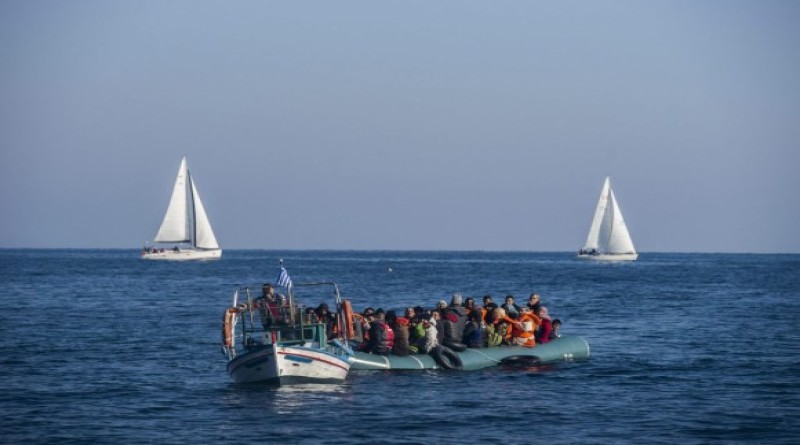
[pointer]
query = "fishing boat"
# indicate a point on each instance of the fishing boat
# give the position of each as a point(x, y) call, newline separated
point(609, 239)
point(185, 226)
point(272, 339)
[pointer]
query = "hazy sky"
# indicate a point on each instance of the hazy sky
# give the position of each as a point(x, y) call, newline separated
point(453, 125)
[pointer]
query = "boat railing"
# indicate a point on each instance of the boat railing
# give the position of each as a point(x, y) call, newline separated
point(259, 321)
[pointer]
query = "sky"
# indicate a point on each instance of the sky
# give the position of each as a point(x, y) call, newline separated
point(413, 125)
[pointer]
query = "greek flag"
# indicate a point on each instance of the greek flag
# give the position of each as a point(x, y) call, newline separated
point(283, 279)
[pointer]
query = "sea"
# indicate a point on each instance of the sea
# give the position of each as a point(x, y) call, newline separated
point(101, 347)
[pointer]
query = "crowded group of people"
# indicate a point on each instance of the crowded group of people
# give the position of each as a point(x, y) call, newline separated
point(458, 325)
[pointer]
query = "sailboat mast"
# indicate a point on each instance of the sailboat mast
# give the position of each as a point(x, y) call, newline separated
point(191, 209)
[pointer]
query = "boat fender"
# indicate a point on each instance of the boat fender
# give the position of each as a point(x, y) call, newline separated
point(446, 357)
point(455, 346)
point(520, 360)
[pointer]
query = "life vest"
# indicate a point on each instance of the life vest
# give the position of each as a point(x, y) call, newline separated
point(381, 338)
point(522, 333)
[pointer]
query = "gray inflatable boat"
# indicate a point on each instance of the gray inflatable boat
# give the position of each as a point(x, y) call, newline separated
point(565, 348)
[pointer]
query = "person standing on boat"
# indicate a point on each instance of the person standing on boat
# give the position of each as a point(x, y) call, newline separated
point(324, 316)
point(270, 310)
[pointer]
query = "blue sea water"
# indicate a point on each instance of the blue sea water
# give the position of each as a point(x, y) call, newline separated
point(98, 346)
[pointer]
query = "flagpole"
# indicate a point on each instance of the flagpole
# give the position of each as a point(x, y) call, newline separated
point(290, 292)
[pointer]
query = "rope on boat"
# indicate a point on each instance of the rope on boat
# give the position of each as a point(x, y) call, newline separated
point(477, 350)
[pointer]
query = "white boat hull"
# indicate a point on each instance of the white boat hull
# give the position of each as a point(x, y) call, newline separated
point(183, 255)
point(609, 256)
point(284, 365)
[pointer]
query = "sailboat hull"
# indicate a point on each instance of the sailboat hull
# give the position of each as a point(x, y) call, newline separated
point(609, 256)
point(183, 255)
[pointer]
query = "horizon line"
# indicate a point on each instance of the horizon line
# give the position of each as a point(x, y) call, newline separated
point(405, 250)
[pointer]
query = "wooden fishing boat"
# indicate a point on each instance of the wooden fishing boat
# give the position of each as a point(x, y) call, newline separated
point(271, 339)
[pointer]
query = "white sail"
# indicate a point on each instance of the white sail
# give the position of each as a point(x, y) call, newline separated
point(204, 237)
point(598, 222)
point(608, 235)
point(619, 240)
point(175, 228)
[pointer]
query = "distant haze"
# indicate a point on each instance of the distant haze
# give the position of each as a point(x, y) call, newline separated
point(452, 125)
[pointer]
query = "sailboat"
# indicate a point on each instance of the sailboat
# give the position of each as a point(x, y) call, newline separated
point(185, 225)
point(609, 239)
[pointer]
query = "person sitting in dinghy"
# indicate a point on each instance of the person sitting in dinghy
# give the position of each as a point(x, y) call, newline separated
point(555, 333)
point(475, 331)
point(534, 301)
point(460, 313)
point(512, 309)
point(430, 341)
point(545, 328)
point(469, 305)
point(416, 333)
point(523, 332)
point(503, 325)
point(399, 325)
point(381, 335)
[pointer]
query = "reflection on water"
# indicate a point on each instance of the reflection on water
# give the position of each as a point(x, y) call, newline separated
point(289, 399)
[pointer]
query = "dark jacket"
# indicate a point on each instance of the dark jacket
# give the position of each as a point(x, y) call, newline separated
point(475, 334)
point(460, 322)
point(381, 338)
point(400, 327)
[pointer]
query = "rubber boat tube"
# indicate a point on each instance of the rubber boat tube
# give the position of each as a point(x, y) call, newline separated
point(566, 348)
point(446, 358)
